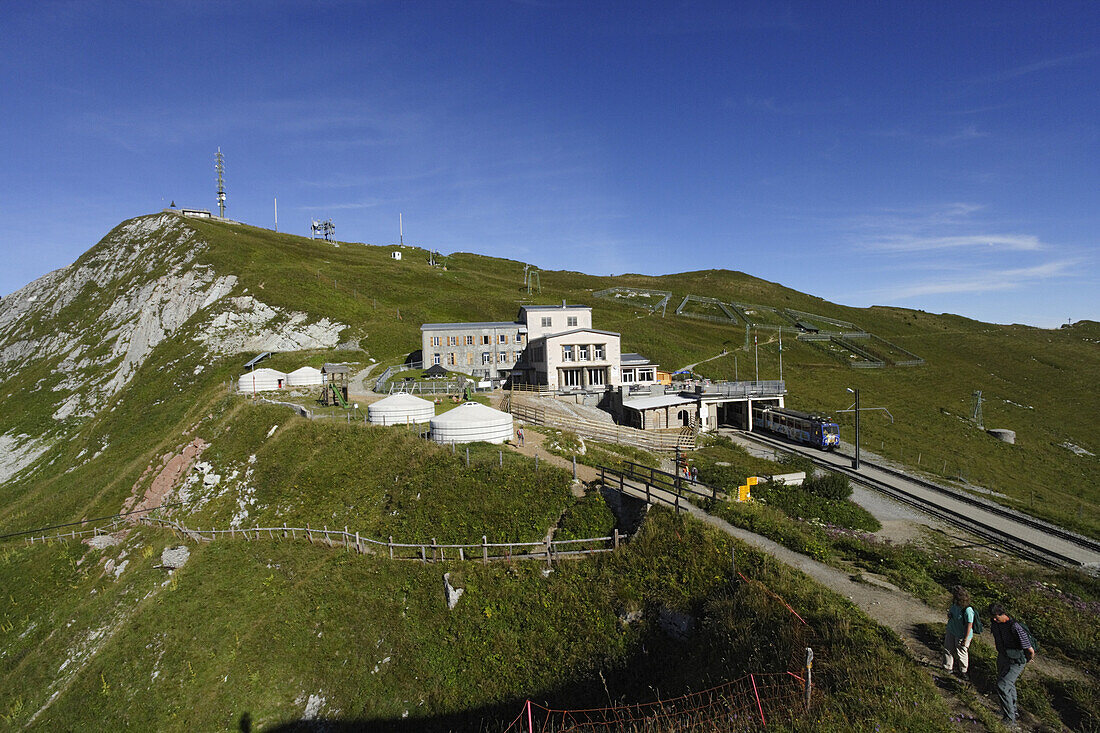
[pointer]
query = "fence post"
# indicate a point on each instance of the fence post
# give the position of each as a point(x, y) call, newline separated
point(433, 550)
point(549, 560)
point(809, 674)
point(327, 540)
point(467, 456)
point(309, 533)
point(461, 554)
point(574, 468)
point(391, 546)
point(615, 538)
point(284, 530)
point(484, 549)
point(423, 554)
point(358, 546)
point(502, 459)
point(345, 536)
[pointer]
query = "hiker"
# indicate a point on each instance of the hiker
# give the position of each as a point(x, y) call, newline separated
point(694, 474)
point(1014, 650)
point(519, 436)
point(960, 631)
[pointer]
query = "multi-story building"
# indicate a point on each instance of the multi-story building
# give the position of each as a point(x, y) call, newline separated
point(548, 345)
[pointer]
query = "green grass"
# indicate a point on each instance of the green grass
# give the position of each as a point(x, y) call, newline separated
point(374, 638)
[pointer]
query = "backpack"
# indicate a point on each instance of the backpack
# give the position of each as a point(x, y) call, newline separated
point(978, 628)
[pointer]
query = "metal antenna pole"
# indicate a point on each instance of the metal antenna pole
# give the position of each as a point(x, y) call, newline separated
point(219, 166)
point(276, 213)
point(401, 228)
point(780, 354)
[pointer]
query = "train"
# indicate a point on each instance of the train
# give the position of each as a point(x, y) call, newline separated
point(801, 427)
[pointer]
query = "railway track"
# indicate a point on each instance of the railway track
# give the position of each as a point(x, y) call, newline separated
point(1013, 531)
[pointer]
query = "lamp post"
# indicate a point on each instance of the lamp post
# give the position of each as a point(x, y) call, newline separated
point(855, 460)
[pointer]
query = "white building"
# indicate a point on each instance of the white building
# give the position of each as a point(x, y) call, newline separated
point(261, 380)
point(551, 345)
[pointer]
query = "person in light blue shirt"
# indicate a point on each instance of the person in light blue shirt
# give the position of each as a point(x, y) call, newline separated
point(960, 632)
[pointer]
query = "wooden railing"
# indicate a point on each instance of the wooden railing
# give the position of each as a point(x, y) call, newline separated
point(663, 440)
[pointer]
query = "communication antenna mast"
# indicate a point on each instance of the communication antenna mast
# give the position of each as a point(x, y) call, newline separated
point(401, 229)
point(976, 411)
point(219, 166)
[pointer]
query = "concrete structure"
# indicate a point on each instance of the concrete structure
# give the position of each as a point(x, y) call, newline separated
point(705, 407)
point(550, 345)
point(395, 254)
point(307, 376)
point(472, 422)
point(400, 409)
point(261, 380)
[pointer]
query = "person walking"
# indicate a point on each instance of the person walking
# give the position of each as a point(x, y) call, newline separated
point(960, 631)
point(519, 436)
point(1014, 650)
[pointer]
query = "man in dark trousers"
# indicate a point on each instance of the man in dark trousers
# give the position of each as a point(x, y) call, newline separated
point(1014, 650)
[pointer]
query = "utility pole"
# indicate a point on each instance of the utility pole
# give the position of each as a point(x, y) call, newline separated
point(276, 213)
point(855, 460)
point(756, 346)
point(219, 166)
point(780, 354)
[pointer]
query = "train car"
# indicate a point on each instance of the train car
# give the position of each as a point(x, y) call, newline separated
point(801, 427)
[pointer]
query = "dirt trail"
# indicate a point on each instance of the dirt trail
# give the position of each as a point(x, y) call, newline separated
point(885, 603)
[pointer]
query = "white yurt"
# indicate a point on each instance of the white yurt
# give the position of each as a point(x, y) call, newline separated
point(400, 409)
point(307, 376)
point(472, 422)
point(262, 380)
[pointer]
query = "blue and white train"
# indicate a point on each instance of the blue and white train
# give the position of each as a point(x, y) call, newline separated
point(801, 427)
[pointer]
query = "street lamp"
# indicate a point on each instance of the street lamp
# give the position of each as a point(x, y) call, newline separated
point(855, 460)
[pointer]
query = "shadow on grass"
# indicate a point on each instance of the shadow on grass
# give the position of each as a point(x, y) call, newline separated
point(658, 660)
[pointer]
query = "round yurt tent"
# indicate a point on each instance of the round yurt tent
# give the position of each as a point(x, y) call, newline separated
point(472, 422)
point(307, 376)
point(262, 380)
point(400, 409)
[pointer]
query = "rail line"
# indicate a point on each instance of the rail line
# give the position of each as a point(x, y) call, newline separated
point(1013, 531)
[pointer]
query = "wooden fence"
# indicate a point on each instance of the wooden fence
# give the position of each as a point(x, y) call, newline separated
point(663, 440)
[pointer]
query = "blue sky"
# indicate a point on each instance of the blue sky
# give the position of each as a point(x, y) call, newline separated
point(942, 156)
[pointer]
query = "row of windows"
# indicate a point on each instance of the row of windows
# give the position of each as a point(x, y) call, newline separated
point(583, 377)
point(570, 322)
point(583, 352)
point(640, 375)
point(453, 359)
point(468, 340)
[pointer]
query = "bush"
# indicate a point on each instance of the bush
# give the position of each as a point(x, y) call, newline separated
point(831, 485)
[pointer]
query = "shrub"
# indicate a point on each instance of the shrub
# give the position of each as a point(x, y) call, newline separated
point(831, 485)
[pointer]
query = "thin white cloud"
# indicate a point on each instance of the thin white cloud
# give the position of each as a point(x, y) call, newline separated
point(1041, 65)
point(903, 243)
point(983, 282)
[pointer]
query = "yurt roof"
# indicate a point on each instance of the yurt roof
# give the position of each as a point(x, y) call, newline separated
point(400, 400)
point(264, 372)
point(306, 370)
point(470, 413)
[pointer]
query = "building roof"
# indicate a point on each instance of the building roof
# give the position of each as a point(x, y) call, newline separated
point(649, 403)
point(435, 370)
point(633, 359)
point(477, 324)
point(563, 306)
point(256, 360)
point(578, 330)
point(334, 369)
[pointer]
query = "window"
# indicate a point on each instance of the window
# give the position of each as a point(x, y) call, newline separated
point(486, 357)
point(567, 353)
point(519, 338)
point(503, 338)
point(502, 357)
point(451, 340)
point(435, 358)
point(600, 351)
point(486, 340)
point(515, 356)
point(571, 377)
point(628, 375)
point(435, 341)
point(469, 340)
point(571, 321)
point(596, 377)
point(451, 358)
point(583, 352)
point(645, 375)
point(469, 358)
point(546, 322)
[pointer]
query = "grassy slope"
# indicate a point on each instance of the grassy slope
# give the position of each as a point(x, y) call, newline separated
point(167, 404)
point(255, 628)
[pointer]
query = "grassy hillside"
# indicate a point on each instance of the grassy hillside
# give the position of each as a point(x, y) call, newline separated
point(1040, 383)
point(250, 631)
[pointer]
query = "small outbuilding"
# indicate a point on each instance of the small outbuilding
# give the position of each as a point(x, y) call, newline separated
point(396, 254)
point(307, 376)
point(400, 409)
point(334, 380)
point(472, 422)
point(435, 371)
point(261, 380)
